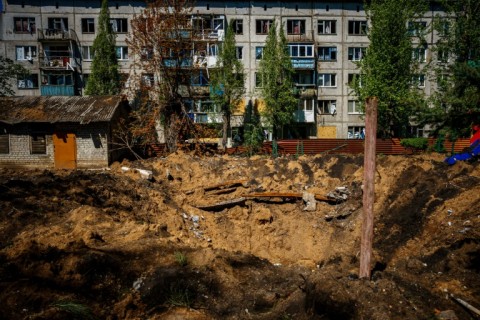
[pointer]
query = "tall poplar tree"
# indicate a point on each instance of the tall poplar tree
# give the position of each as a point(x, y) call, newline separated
point(456, 104)
point(387, 68)
point(228, 81)
point(276, 72)
point(105, 77)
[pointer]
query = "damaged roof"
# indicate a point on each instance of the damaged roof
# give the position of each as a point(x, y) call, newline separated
point(54, 109)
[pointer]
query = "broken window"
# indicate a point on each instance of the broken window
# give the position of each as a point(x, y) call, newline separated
point(263, 26)
point(295, 26)
point(38, 143)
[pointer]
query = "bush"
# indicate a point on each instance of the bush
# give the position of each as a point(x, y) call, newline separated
point(415, 143)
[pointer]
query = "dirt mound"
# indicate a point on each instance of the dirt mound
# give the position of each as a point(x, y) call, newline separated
point(110, 244)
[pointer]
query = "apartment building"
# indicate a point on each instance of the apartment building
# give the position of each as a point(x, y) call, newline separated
point(54, 39)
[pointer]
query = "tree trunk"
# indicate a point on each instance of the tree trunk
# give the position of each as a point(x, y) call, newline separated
point(226, 127)
point(368, 186)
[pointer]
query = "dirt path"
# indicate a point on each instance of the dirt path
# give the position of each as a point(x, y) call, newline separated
point(111, 245)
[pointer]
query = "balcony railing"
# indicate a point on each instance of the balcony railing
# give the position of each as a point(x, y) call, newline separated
point(58, 62)
point(57, 90)
point(56, 34)
point(301, 37)
point(304, 116)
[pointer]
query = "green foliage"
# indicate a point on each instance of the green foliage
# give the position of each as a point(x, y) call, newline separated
point(179, 295)
point(415, 143)
point(105, 77)
point(387, 68)
point(253, 132)
point(276, 72)
point(456, 104)
point(181, 258)
point(439, 144)
point(76, 310)
point(9, 72)
point(228, 81)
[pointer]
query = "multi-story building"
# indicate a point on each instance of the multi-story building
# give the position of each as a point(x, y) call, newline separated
point(54, 39)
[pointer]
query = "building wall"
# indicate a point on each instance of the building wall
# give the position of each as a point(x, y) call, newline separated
point(249, 11)
point(92, 146)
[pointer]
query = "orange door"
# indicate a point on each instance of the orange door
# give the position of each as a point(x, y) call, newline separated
point(65, 150)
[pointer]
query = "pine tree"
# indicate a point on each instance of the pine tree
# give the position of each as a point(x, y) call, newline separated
point(276, 72)
point(228, 81)
point(105, 77)
point(387, 68)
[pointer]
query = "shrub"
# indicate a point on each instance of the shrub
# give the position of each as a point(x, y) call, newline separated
point(181, 258)
point(415, 143)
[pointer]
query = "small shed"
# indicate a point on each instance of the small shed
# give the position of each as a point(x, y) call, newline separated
point(59, 131)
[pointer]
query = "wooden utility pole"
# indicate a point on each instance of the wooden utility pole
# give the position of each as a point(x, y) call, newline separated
point(368, 186)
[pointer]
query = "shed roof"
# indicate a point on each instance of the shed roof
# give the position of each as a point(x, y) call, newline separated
point(54, 109)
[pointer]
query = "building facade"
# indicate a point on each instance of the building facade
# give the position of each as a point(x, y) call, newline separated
point(54, 39)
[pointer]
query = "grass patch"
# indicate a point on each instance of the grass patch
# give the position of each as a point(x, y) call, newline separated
point(76, 310)
point(181, 258)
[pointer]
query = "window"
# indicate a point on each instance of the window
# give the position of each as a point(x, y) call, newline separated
point(419, 54)
point(258, 53)
point(301, 50)
point(304, 78)
point(418, 80)
point(199, 79)
point(354, 77)
point(327, 53)
point(356, 53)
point(356, 132)
point(305, 104)
point(24, 25)
point(327, 80)
point(57, 79)
point(258, 80)
point(443, 56)
point(4, 141)
point(122, 53)
point(238, 26)
point(327, 26)
point(416, 28)
point(239, 53)
point(357, 28)
point(87, 52)
point(38, 143)
point(148, 79)
point(354, 107)
point(262, 26)
point(327, 106)
point(146, 53)
point(443, 28)
point(119, 25)
point(25, 52)
point(29, 81)
point(88, 25)
point(295, 26)
point(60, 24)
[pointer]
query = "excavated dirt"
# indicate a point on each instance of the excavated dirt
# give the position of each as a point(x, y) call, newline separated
point(109, 244)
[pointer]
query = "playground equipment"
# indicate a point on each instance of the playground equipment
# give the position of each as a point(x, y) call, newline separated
point(472, 152)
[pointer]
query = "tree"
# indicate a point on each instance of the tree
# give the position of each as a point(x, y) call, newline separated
point(161, 43)
point(456, 103)
point(387, 68)
point(105, 77)
point(253, 132)
point(228, 81)
point(276, 73)
point(9, 72)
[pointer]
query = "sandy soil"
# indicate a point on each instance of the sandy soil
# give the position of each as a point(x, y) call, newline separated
point(111, 245)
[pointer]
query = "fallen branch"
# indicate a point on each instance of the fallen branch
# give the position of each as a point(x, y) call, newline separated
point(318, 197)
point(466, 305)
point(222, 205)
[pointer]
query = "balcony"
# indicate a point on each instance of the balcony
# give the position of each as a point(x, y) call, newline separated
point(300, 37)
point(56, 35)
point(58, 62)
point(304, 116)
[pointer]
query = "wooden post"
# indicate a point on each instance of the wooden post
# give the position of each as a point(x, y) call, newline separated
point(368, 186)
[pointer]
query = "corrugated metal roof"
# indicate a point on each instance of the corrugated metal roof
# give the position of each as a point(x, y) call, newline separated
point(54, 109)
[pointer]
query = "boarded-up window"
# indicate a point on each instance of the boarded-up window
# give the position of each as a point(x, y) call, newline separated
point(38, 143)
point(4, 142)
